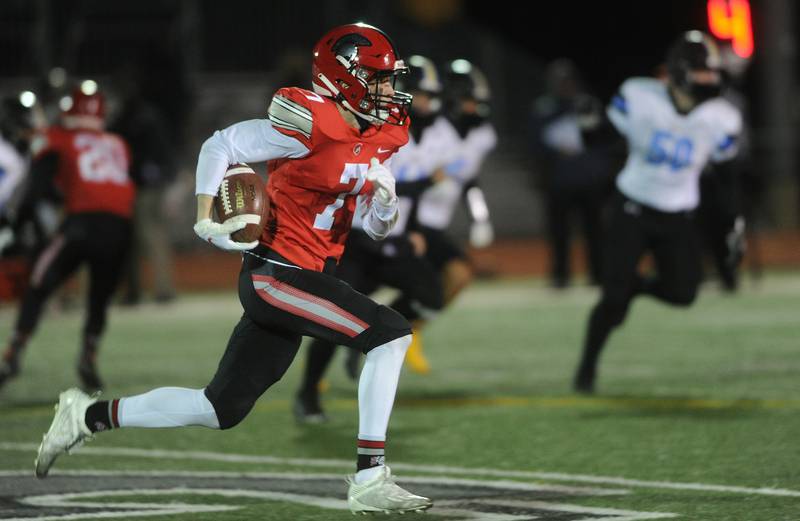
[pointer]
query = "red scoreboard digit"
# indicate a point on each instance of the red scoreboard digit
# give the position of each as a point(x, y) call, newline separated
point(730, 20)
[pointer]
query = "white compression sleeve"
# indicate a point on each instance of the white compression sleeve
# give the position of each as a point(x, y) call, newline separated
point(167, 407)
point(377, 387)
point(379, 220)
point(248, 141)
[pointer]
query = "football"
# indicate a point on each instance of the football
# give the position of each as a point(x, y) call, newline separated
point(242, 193)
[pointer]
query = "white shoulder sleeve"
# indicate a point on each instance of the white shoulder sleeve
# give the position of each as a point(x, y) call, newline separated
point(634, 92)
point(619, 107)
point(249, 141)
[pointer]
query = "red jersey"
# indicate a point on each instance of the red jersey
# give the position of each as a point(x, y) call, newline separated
point(313, 199)
point(92, 170)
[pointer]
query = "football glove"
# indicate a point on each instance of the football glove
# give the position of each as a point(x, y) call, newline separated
point(6, 238)
point(481, 234)
point(219, 234)
point(384, 183)
point(735, 241)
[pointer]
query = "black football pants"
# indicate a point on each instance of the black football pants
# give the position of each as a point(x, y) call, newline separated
point(366, 269)
point(281, 305)
point(635, 229)
point(100, 240)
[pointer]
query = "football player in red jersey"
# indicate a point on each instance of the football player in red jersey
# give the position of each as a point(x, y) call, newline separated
point(325, 150)
point(88, 168)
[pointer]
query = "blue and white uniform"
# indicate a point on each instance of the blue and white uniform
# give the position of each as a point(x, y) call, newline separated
point(668, 150)
point(464, 158)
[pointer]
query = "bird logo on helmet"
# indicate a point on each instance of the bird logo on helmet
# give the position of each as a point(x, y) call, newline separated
point(349, 64)
point(695, 51)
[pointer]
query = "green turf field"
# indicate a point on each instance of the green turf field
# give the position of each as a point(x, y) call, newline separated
point(697, 417)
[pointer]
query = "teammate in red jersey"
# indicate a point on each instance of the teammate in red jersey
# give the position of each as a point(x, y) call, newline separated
point(88, 169)
point(325, 150)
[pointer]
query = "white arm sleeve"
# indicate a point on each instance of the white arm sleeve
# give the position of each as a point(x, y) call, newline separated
point(249, 141)
point(379, 220)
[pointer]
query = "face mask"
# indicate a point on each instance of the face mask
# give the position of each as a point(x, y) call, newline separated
point(702, 92)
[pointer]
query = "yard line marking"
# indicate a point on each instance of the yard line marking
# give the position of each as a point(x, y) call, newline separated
point(464, 508)
point(304, 476)
point(435, 469)
point(542, 402)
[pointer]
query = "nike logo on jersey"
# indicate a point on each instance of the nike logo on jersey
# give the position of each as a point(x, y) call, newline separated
point(381, 150)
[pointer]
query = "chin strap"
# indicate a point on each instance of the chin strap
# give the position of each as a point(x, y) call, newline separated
point(333, 92)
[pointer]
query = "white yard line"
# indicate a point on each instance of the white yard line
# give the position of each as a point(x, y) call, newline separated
point(433, 469)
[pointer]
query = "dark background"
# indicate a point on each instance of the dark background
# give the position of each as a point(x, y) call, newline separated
point(209, 63)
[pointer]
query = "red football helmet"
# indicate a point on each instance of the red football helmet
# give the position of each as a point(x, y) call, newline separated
point(85, 104)
point(352, 59)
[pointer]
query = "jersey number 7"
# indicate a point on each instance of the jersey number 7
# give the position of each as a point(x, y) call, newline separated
point(357, 171)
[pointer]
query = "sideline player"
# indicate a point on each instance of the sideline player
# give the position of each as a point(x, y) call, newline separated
point(88, 167)
point(322, 146)
point(673, 131)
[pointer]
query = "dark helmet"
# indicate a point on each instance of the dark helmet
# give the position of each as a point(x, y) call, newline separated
point(346, 59)
point(464, 81)
point(422, 76)
point(18, 118)
point(694, 51)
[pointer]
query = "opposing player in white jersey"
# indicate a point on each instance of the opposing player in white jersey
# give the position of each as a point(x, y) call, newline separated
point(673, 130)
point(464, 139)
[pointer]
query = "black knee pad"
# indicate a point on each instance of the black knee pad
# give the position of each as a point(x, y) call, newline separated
point(387, 326)
point(431, 297)
point(684, 297)
point(230, 406)
point(614, 310)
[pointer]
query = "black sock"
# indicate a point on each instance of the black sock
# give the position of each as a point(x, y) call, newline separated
point(15, 346)
point(89, 347)
point(102, 416)
point(370, 454)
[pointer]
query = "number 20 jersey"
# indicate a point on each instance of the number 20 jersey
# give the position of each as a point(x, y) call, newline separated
point(667, 151)
point(92, 173)
point(313, 199)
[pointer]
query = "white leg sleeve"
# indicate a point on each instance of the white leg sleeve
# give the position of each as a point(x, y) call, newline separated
point(377, 386)
point(167, 407)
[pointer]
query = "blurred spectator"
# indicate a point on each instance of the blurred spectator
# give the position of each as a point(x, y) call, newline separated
point(574, 167)
point(153, 169)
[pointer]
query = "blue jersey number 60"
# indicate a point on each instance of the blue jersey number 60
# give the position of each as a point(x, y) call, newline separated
point(666, 148)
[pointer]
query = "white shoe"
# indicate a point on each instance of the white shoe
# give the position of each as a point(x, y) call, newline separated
point(68, 430)
point(381, 494)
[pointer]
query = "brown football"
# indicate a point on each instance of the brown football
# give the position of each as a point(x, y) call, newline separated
point(242, 193)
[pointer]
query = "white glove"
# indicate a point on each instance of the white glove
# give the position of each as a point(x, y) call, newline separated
point(383, 180)
point(736, 242)
point(219, 234)
point(6, 238)
point(481, 234)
